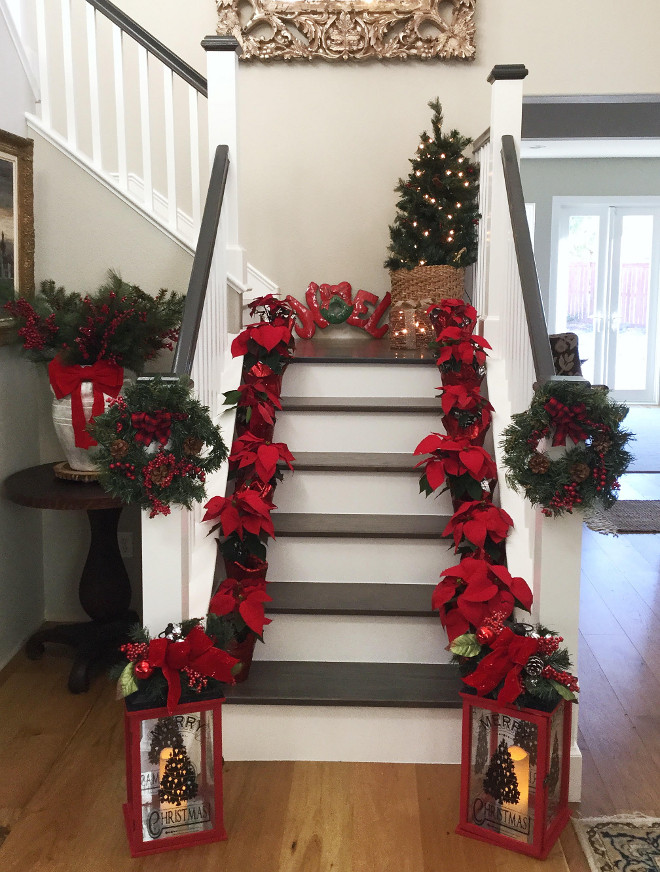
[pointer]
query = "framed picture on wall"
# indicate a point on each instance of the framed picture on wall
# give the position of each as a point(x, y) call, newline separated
point(16, 226)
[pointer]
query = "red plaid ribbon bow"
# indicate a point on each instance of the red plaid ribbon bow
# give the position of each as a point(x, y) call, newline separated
point(152, 427)
point(106, 378)
point(567, 421)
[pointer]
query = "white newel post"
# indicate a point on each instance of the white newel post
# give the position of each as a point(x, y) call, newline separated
point(164, 564)
point(505, 118)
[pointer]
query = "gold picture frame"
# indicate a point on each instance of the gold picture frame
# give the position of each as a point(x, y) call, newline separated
point(350, 29)
point(16, 226)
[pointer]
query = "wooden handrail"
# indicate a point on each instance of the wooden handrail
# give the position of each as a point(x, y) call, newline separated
point(201, 268)
point(531, 291)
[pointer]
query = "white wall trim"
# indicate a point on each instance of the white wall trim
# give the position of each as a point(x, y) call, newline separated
point(20, 51)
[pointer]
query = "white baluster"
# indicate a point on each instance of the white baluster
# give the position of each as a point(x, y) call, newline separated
point(145, 129)
point(94, 104)
point(69, 91)
point(42, 43)
point(120, 107)
point(170, 156)
point(195, 180)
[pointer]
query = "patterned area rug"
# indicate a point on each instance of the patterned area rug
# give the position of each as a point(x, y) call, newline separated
point(626, 843)
point(627, 516)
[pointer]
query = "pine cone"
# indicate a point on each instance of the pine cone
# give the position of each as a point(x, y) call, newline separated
point(160, 474)
point(192, 446)
point(539, 463)
point(580, 472)
point(602, 444)
point(119, 448)
point(534, 665)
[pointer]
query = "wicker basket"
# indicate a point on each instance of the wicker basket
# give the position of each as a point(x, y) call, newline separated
point(424, 285)
point(409, 328)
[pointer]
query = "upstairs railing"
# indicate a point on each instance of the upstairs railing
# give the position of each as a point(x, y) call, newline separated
point(92, 57)
point(544, 551)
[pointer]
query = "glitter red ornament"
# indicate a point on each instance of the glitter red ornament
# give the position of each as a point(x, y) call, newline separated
point(143, 669)
point(485, 635)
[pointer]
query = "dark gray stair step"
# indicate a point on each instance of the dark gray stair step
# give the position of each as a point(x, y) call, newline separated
point(409, 685)
point(360, 526)
point(353, 461)
point(359, 350)
point(350, 598)
point(391, 405)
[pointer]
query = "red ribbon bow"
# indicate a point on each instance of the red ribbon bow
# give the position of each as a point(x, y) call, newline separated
point(195, 652)
point(152, 427)
point(106, 378)
point(509, 655)
point(567, 421)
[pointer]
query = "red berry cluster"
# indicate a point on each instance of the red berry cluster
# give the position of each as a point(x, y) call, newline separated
point(565, 498)
point(127, 469)
point(196, 680)
point(565, 678)
point(135, 650)
point(549, 645)
point(35, 333)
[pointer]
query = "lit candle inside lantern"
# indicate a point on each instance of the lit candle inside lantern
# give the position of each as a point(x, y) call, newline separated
point(520, 759)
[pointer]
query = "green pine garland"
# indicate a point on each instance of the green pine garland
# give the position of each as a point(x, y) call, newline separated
point(438, 212)
point(157, 472)
point(585, 475)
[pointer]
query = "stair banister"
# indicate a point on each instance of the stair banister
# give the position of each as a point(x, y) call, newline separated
point(544, 551)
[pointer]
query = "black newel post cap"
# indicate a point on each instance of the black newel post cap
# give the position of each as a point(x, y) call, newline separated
point(507, 71)
point(221, 43)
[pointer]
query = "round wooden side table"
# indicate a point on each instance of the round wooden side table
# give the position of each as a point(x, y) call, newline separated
point(104, 588)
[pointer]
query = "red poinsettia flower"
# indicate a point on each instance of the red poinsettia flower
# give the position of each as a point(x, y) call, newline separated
point(267, 336)
point(453, 312)
point(476, 520)
point(244, 512)
point(473, 590)
point(271, 309)
point(248, 600)
point(463, 398)
point(250, 451)
point(461, 345)
point(454, 457)
point(255, 397)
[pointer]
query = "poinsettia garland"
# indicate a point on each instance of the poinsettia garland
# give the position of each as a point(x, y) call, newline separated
point(476, 598)
point(586, 474)
point(156, 446)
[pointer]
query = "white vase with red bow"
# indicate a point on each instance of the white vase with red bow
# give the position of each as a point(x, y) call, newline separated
point(81, 393)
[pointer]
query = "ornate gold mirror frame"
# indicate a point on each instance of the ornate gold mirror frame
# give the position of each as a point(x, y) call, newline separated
point(349, 29)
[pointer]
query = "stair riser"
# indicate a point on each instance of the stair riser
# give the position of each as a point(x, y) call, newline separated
point(354, 431)
point(293, 558)
point(365, 380)
point(350, 733)
point(357, 493)
point(354, 638)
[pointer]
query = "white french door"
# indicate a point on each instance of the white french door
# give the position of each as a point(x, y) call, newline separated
point(605, 279)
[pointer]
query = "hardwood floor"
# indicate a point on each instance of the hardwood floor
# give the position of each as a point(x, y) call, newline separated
point(62, 775)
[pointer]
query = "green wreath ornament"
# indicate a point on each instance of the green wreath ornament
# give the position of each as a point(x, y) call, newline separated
point(157, 443)
point(585, 475)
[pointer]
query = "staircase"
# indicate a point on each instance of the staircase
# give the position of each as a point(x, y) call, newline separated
point(354, 666)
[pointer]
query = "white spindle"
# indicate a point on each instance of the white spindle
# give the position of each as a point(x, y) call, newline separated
point(195, 180)
point(94, 99)
point(42, 49)
point(69, 80)
point(120, 107)
point(145, 129)
point(170, 156)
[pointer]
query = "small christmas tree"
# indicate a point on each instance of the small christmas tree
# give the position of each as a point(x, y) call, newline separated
point(525, 737)
point(500, 781)
point(437, 214)
point(164, 735)
point(553, 774)
point(481, 755)
point(179, 782)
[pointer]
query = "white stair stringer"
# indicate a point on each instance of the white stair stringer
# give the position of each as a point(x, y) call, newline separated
point(358, 734)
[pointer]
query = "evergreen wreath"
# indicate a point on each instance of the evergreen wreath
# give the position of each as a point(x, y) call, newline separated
point(156, 445)
point(584, 475)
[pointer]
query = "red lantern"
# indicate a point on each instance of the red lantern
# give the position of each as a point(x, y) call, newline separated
point(514, 774)
point(173, 776)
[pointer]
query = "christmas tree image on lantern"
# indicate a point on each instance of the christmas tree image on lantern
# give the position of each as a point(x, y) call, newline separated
point(500, 781)
point(481, 756)
point(178, 782)
point(553, 772)
point(437, 210)
point(164, 735)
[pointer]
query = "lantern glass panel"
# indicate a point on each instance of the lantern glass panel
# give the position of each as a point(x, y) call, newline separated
point(503, 763)
point(177, 775)
point(554, 778)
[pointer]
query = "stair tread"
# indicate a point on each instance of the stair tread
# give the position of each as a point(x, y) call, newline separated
point(360, 526)
point(350, 598)
point(288, 682)
point(426, 405)
point(359, 350)
point(354, 461)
